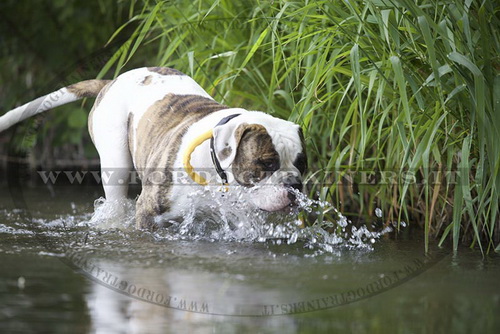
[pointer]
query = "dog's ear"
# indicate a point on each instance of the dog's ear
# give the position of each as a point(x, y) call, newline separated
point(226, 140)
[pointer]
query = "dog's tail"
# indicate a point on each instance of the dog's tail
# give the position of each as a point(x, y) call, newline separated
point(88, 88)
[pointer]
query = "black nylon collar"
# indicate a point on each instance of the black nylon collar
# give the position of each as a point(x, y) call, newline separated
point(215, 161)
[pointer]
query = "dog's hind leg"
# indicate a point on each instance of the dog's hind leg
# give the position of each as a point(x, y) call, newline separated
point(116, 165)
point(109, 133)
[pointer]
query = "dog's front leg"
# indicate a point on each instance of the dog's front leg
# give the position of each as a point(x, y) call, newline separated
point(151, 203)
point(145, 213)
point(144, 220)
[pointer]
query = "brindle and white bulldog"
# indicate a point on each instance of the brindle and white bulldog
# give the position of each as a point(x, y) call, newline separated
point(161, 122)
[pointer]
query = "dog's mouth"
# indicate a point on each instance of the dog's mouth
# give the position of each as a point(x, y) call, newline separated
point(272, 198)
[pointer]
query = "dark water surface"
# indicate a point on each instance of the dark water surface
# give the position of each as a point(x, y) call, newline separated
point(59, 276)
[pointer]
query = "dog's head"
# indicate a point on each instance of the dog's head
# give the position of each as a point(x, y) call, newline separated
point(264, 153)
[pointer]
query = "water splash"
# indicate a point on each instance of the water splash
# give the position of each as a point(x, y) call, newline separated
point(118, 214)
point(217, 216)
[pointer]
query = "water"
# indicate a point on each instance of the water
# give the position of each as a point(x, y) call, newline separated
point(216, 215)
point(63, 271)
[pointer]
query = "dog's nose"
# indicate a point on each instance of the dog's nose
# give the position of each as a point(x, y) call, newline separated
point(292, 188)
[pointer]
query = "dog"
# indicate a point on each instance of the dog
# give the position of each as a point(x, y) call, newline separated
point(160, 122)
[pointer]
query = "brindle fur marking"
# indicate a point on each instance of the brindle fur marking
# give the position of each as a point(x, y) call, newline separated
point(87, 88)
point(165, 71)
point(254, 141)
point(225, 152)
point(147, 80)
point(163, 126)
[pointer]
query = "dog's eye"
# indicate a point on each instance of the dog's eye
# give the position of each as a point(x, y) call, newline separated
point(269, 165)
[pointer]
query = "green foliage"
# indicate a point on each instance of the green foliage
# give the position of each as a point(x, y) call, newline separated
point(45, 45)
point(405, 93)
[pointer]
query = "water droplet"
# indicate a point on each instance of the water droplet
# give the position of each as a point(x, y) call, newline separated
point(21, 282)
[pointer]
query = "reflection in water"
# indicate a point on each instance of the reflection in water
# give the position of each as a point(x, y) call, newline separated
point(115, 312)
point(393, 288)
